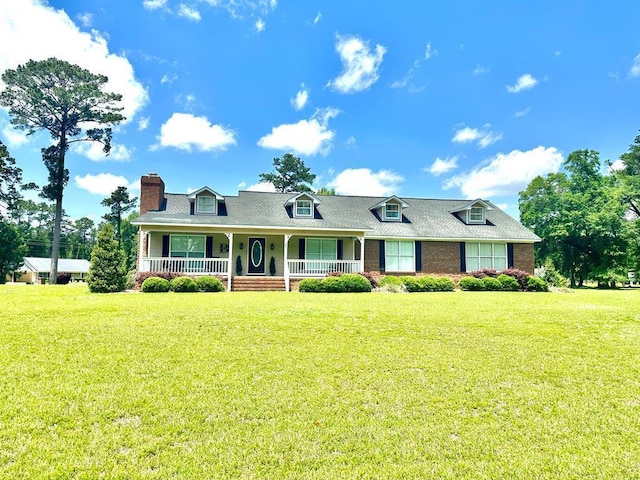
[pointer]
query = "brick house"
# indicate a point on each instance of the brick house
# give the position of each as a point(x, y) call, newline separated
point(289, 236)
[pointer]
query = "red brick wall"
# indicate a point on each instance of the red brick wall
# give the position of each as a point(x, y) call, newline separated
point(441, 257)
point(523, 257)
point(371, 255)
point(151, 193)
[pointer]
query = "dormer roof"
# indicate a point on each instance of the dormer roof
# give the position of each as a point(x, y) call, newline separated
point(192, 196)
point(392, 198)
point(303, 195)
point(471, 204)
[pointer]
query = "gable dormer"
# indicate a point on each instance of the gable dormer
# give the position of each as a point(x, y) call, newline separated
point(474, 212)
point(204, 201)
point(303, 205)
point(390, 209)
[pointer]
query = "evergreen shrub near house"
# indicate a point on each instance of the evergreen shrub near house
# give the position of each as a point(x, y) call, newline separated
point(521, 277)
point(332, 284)
point(182, 284)
point(491, 284)
point(412, 284)
point(142, 276)
point(272, 266)
point(371, 277)
point(63, 278)
point(390, 281)
point(353, 282)
point(509, 283)
point(312, 285)
point(445, 284)
point(471, 283)
point(536, 284)
point(209, 284)
point(155, 285)
point(428, 283)
point(107, 273)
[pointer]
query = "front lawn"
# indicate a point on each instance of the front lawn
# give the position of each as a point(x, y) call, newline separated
point(318, 386)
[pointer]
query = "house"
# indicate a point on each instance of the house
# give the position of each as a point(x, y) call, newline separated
point(37, 269)
point(306, 235)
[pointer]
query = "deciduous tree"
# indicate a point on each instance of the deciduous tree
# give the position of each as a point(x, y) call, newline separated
point(12, 249)
point(70, 103)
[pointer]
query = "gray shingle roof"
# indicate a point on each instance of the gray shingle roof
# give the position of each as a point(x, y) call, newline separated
point(67, 265)
point(423, 218)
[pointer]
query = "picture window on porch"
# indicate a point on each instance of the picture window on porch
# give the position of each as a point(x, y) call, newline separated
point(205, 204)
point(321, 249)
point(399, 256)
point(304, 208)
point(486, 255)
point(187, 246)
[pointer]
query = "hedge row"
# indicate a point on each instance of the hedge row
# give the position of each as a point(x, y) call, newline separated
point(418, 284)
point(155, 284)
point(510, 280)
point(349, 282)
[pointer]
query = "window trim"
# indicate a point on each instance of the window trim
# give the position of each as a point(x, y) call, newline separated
point(493, 255)
point(483, 214)
point(398, 211)
point(298, 205)
point(171, 236)
point(321, 239)
point(204, 212)
point(413, 255)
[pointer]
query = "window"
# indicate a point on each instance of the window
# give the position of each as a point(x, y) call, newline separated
point(205, 204)
point(486, 255)
point(399, 256)
point(321, 249)
point(391, 211)
point(187, 246)
point(476, 215)
point(303, 208)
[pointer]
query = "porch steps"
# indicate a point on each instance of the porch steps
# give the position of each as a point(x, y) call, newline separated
point(257, 284)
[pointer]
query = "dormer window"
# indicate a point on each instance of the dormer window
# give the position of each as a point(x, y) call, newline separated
point(303, 208)
point(476, 215)
point(392, 211)
point(205, 204)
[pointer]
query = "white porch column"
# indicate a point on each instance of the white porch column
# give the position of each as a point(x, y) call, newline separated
point(230, 263)
point(286, 262)
point(361, 239)
point(141, 239)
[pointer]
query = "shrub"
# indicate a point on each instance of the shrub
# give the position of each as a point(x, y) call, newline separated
point(535, 284)
point(371, 277)
point(509, 283)
point(155, 284)
point(485, 272)
point(520, 275)
point(391, 280)
point(445, 284)
point(355, 283)
point(412, 284)
point(130, 283)
point(491, 283)
point(272, 266)
point(183, 284)
point(142, 276)
point(107, 272)
point(209, 284)
point(552, 276)
point(471, 283)
point(428, 284)
point(333, 285)
point(63, 278)
point(313, 285)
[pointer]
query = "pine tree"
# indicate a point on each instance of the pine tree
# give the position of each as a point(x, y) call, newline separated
point(107, 273)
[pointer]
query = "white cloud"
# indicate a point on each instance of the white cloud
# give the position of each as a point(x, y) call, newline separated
point(260, 25)
point(242, 185)
point(317, 18)
point(479, 70)
point(442, 165)
point(168, 79)
point(360, 64)
point(188, 12)
point(23, 21)
point(351, 141)
point(243, 9)
point(617, 165)
point(143, 123)
point(104, 183)
point(86, 19)
point(525, 82)
point(307, 137)
point(301, 98)
point(635, 68)
point(407, 76)
point(93, 151)
point(522, 113)
point(154, 4)
point(262, 187)
point(13, 137)
point(429, 52)
point(186, 132)
point(506, 174)
point(483, 136)
point(363, 181)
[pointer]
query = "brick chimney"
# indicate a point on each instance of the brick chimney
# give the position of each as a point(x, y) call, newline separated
point(151, 193)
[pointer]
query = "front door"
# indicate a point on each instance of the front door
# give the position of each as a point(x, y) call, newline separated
point(256, 256)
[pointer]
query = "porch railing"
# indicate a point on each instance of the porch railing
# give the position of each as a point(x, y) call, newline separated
point(314, 268)
point(191, 266)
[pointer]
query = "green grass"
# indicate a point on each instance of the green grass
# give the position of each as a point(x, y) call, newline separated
point(319, 386)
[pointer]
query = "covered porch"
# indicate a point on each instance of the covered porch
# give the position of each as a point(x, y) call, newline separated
point(229, 254)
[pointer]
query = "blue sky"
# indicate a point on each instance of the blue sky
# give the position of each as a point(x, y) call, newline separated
point(467, 99)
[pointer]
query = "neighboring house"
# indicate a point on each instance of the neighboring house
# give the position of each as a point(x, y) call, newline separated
point(309, 235)
point(37, 269)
